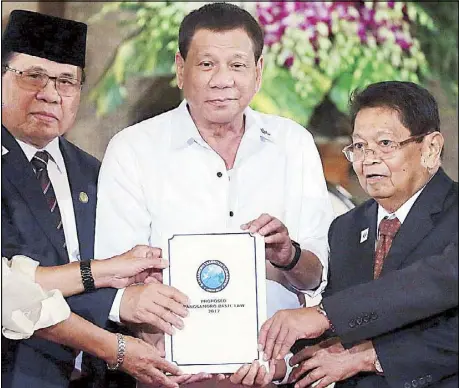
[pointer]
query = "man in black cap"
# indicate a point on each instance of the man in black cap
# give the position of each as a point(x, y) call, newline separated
point(49, 191)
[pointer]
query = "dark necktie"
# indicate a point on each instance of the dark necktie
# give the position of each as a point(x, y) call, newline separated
point(40, 165)
point(388, 228)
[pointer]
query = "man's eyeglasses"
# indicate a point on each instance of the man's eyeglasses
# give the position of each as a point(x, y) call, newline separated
point(385, 149)
point(35, 81)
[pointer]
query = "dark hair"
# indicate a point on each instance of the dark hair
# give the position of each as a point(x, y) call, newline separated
point(220, 17)
point(416, 107)
point(7, 55)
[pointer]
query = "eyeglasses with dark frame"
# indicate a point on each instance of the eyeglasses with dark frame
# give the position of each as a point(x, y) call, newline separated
point(385, 149)
point(35, 81)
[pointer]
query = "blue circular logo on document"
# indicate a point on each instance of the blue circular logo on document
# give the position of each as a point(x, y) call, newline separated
point(212, 276)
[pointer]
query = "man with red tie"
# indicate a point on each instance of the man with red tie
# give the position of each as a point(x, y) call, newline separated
point(395, 152)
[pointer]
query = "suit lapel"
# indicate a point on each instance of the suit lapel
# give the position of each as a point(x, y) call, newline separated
point(419, 222)
point(83, 197)
point(366, 248)
point(18, 170)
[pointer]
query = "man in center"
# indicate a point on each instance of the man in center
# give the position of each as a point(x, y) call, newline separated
point(215, 164)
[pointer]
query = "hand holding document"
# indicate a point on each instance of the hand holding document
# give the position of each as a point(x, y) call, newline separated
point(223, 274)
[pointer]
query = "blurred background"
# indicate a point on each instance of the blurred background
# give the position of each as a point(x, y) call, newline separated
point(316, 53)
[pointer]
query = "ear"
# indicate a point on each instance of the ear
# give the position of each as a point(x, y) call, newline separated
point(259, 73)
point(179, 68)
point(431, 150)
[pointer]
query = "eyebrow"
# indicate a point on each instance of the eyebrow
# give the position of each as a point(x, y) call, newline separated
point(39, 68)
point(235, 56)
point(379, 133)
point(70, 75)
point(239, 55)
point(204, 55)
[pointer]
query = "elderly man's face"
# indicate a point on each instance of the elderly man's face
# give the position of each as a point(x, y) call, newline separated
point(392, 181)
point(219, 76)
point(37, 117)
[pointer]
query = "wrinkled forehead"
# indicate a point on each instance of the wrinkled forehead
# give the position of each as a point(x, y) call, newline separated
point(23, 62)
point(378, 121)
point(234, 39)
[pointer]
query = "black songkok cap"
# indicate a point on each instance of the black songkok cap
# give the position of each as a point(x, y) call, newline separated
point(49, 37)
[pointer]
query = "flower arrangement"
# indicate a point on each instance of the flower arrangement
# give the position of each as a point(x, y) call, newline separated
point(332, 48)
point(312, 50)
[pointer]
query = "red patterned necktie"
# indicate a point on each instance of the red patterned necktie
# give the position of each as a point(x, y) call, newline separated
point(40, 165)
point(388, 228)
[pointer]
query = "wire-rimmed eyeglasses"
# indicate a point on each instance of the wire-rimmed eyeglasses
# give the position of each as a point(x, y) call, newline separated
point(385, 149)
point(35, 81)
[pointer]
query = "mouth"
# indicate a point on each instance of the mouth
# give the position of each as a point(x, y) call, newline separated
point(221, 101)
point(44, 116)
point(374, 177)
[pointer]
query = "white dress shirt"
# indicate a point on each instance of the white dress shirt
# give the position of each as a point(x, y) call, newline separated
point(59, 179)
point(401, 213)
point(160, 177)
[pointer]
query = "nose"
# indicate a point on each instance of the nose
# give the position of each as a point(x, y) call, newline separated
point(49, 93)
point(370, 157)
point(222, 78)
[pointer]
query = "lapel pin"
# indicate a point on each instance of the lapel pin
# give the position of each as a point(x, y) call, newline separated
point(364, 235)
point(83, 197)
point(264, 132)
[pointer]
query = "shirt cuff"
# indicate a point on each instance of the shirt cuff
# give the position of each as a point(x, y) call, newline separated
point(52, 310)
point(114, 314)
point(313, 297)
point(378, 366)
point(25, 265)
point(26, 306)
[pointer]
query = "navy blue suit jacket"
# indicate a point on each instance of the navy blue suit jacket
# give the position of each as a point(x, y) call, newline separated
point(27, 229)
point(421, 354)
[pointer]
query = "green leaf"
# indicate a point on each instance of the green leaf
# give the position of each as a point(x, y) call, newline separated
point(278, 96)
point(108, 96)
point(125, 54)
point(339, 93)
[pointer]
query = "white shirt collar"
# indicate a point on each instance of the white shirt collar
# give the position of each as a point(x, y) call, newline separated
point(4, 150)
point(52, 147)
point(188, 133)
point(402, 212)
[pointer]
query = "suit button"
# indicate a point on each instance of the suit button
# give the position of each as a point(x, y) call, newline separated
point(422, 381)
point(407, 385)
point(429, 378)
point(366, 318)
point(414, 383)
point(359, 321)
point(351, 323)
point(374, 316)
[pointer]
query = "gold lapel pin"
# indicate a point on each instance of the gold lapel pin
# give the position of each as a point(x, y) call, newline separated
point(84, 197)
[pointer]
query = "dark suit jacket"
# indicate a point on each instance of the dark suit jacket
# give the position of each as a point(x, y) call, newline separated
point(415, 355)
point(27, 230)
point(433, 281)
